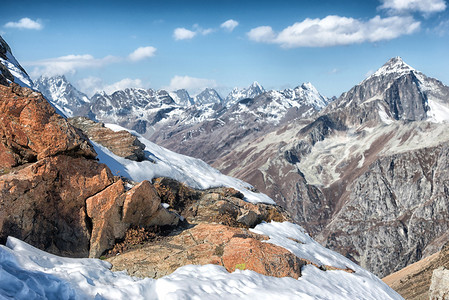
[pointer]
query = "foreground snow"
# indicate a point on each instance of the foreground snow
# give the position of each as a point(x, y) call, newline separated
point(29, 273)
point(165, 163)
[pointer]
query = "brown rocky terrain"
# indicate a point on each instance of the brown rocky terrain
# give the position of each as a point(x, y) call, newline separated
point(121, 143)
point(414, 281)
point(52, 190)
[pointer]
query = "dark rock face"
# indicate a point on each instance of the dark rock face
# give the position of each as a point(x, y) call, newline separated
point(43, 203)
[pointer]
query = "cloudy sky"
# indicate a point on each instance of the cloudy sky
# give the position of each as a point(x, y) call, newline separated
point(222, 44)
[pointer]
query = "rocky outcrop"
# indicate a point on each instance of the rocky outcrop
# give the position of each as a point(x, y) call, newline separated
point(121, 143)
point(233, 248)
point(31, 130)
point(43, 203)
point(415, 282)
point(439, 286)
point(113, 211)
point(53, 194)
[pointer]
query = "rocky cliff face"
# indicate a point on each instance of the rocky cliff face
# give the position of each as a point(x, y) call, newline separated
point(368, 176)
point(51, 188)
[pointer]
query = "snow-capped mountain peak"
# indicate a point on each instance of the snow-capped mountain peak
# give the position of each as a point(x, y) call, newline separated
point(62, 94)
point(254, 90)
point(181, 97)
point(394, 66)
point(208, 96)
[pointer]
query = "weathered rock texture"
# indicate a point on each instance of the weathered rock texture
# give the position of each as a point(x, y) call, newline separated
point(121, 143)
point(368, 177)
point(43, 203)
point(31, 130)
point(113, 211)
point(439, 286)
point(53, 194)
point(414, 281)
point(209, 244)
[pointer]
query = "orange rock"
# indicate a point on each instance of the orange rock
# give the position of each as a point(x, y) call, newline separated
point(105, 211)
point(263, 258)
point(31, 130)
point(141, 202)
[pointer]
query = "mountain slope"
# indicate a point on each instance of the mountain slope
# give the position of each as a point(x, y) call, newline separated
point(10, 69)
point(63, 95)
point(368, 176)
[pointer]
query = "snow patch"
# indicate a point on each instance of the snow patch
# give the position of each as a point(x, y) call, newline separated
point(29, 273)
point(165, 163)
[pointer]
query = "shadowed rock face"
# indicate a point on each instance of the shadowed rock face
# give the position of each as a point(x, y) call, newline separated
point(121, 143)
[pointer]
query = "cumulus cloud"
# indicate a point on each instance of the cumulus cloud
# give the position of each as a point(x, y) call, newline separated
point(421, 6)
point(335, 31)
point(229, 25)
point(92, 85)
point(183, 34)
point(123, 84)
point(25, 23)
point(68, 64)
point(142, 53)
point(264, 34)
point(192, 84)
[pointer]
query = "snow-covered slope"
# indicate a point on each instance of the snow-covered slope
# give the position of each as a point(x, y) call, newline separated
point(29, 273)
point(165, 163)
point(10, 69)
point(62, 94)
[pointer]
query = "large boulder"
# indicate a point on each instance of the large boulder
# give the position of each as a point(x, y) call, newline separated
point(31, 130)
point(233, 248)
point(43, 203)
point(121, 143)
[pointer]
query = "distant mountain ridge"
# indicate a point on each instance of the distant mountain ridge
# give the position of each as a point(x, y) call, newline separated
point(181, 122)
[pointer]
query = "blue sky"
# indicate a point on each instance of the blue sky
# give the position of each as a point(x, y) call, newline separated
point(223, 44)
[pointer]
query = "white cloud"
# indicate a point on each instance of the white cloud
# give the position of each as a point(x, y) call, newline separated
point(92, 85)
point(229, 25)
point(335, 30)
point(68, 64)
point(123, 84)
point(422, 6)
point(192, 84)
point(25, 23)
point(183, 34)
point(442, 29)
point(142, 53)
point(264, 34)
point(202, 31)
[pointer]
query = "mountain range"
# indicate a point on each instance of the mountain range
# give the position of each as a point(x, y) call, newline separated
point(78, 188)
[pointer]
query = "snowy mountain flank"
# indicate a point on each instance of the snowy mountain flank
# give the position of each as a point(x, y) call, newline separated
point(63, 95)
point(366, 177)
point(73, 188)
